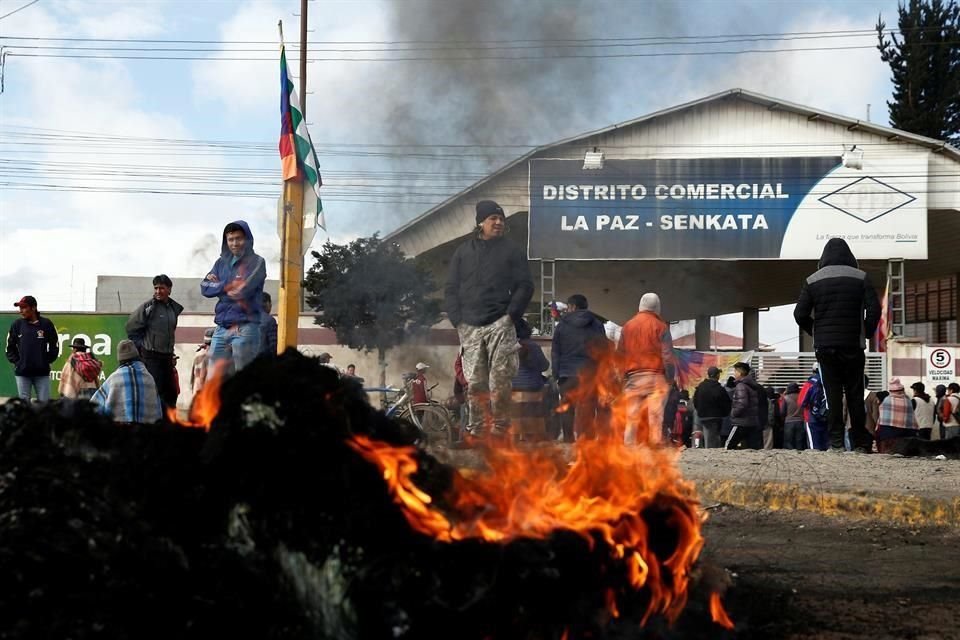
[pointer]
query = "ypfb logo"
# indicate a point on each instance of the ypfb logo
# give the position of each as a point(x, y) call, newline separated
point(867, 199)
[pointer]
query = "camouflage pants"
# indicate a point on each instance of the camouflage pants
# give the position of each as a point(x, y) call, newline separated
point(490, 362)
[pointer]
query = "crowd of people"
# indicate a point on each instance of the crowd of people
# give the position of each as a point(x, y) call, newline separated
point(489, 286)
point(486, 294)
point(145, 383)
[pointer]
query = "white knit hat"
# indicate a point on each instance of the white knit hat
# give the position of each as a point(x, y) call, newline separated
point(650, 302)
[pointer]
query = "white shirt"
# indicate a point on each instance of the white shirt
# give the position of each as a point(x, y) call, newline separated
point(925, 411)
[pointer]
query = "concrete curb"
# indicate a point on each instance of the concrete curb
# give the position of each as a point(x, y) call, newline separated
point(895, 508)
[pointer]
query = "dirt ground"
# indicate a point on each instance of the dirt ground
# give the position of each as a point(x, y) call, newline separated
point(829, 472)
point(808, 576)
point(828, 546)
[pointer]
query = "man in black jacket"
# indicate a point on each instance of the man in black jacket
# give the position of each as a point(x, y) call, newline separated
point(32, 345)
point(838, 306)
point(576, 339)
point(487, 291)
point(712, 403)
point(747, 408)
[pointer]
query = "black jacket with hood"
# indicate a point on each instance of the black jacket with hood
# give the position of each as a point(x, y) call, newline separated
point(488, 279)
point(749, 404)
point(572, 340)
point(838, 305)
point(711, 399)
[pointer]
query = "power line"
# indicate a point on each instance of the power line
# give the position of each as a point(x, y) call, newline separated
point(444, 47)
point(7, 15)
point(658, 54)
point(57, 137)
point(493, 43)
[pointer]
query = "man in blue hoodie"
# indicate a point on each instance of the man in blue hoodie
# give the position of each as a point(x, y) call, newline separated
point(236, 280)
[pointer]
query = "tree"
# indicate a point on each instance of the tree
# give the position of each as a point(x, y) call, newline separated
point(926, 68)
point(371, 295)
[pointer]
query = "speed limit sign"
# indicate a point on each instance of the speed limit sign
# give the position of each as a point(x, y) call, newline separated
point(940, 365)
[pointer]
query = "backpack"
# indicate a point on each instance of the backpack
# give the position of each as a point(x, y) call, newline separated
point(947, 412)
point(763, 404)
point(773, 412)
point(87, 366)
point(816, 400)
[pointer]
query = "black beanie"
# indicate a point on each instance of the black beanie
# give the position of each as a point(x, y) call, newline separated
point(486, 208)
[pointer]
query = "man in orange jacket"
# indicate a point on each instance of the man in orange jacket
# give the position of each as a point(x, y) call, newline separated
point(647, 351)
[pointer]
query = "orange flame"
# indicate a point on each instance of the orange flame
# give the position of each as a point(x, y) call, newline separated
point(206, 404)
point(717, 613)
point(604, 492)
point(627, 496)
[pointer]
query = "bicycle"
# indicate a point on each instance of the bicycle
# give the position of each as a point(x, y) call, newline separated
point(432, 419)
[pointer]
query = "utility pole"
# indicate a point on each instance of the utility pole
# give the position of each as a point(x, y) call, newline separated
point(291, 249)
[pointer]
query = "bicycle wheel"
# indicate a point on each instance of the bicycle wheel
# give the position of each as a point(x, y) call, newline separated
point(406, 415)
point(433, 420)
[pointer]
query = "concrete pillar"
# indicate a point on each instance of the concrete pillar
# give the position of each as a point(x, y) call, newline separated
point(806, 341)
point(703, 333)
point(956, 308)
point(751, 328)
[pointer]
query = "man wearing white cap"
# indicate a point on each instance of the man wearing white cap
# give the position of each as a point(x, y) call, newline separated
point(420, 383)
point(647, 350)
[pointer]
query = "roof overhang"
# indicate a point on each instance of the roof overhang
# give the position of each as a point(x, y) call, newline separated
point(852, 124)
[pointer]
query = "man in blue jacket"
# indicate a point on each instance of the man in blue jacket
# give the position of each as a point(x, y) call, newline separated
point(32, 345)
point(236, 280)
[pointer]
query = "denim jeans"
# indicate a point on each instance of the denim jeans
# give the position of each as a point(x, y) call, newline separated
point(711, 432)
point(240, 343)
point(41, 384)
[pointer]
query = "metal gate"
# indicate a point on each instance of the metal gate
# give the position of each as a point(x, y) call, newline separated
point(780, 369)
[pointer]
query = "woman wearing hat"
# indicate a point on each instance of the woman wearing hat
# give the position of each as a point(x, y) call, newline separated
point(80, 376)
point(896, 418)
point(129, 395)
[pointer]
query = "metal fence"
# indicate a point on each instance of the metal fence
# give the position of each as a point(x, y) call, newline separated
point(780, 369)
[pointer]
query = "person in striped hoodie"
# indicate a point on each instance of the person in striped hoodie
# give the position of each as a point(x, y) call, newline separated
point(129, 394)
point(897, 419)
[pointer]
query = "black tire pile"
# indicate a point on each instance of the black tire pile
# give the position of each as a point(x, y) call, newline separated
point(270, 526)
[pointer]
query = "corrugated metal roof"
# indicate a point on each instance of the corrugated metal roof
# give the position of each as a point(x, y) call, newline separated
point(742, 94)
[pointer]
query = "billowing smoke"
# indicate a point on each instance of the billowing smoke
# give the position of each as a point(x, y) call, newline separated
point(204, 253)
point(493, 100)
